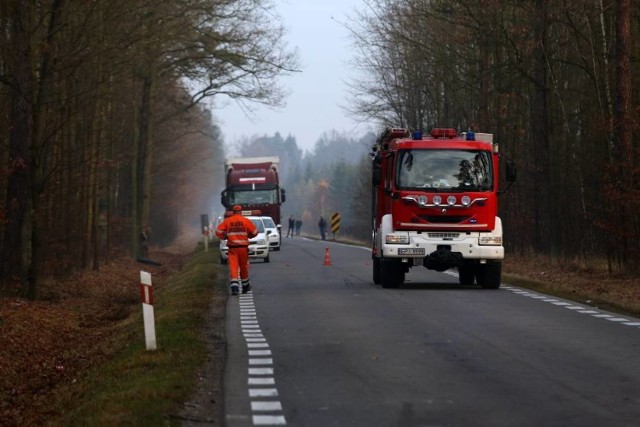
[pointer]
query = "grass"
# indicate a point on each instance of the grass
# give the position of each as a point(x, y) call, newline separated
point(141, 387)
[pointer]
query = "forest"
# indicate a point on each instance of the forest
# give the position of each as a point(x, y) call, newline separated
point(106, 137)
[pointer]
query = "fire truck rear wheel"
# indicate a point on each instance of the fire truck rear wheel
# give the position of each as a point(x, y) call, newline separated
point(391, 274)
point(467, 272)
point(489, 275)
point(376, 270)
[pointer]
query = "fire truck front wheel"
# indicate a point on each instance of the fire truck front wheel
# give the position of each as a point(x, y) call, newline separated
point(376, 270)
point(391, 273)
point(489, 275)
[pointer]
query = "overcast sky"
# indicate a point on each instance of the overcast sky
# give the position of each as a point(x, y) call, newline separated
point(316, 29)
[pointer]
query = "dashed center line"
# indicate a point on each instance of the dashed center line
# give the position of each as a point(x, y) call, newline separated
point(267, 411)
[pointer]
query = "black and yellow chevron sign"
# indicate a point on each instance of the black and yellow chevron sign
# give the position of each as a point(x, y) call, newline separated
point(335, 222)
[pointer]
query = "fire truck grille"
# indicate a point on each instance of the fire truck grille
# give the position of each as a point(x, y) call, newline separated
point(443, 235)
point(444, 219)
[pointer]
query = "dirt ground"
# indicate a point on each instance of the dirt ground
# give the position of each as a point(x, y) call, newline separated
point(80, 312)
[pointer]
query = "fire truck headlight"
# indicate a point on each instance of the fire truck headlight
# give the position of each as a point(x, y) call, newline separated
point(397, 239)
point(451, 200)
point(466, 200)
point(437, 200)
point(490, 240)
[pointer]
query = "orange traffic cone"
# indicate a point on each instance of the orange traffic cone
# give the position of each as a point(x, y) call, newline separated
point(327, 257)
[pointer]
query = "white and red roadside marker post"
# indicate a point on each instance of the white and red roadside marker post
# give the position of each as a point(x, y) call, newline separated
point(146, 292)
point(205, 233)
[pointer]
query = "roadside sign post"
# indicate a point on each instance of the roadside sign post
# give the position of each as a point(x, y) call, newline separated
point(146, 292)
point(204, 220)
point(335, 224)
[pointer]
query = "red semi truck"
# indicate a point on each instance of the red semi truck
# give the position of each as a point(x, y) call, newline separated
point(435, 204)
point(254, 184)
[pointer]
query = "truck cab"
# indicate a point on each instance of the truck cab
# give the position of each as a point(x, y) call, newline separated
point(254, 184)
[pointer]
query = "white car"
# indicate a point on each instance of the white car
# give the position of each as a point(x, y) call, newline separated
point(273, 233)
point(258, 246)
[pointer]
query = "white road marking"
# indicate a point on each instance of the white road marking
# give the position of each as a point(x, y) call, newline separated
point(263, 392)
point(261, 381)
point(257, 345)
point(260, 377)
point(269, 420)
point(572, 306)
point(260, 371)
point(266, 406)
point(261, 361)
point(259, 352)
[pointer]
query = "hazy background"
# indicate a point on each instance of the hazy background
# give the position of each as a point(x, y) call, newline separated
point(317, 30)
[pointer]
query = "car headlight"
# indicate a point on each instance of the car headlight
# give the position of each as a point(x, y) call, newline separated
point(490, 240)
point(397, 239)
point(261, 242)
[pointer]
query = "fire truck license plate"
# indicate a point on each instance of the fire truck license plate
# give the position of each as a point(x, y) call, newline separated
point(410, 251)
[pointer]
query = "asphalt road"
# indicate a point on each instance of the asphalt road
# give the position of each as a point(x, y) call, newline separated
point(321, 345)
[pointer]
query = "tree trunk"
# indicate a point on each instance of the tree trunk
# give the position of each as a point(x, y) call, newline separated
point(16, 250)
point(624, 134)
point(142, 184)
point(540, 131)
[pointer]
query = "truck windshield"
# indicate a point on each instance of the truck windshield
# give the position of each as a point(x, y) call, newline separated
point(444, 170)
point(252, 197)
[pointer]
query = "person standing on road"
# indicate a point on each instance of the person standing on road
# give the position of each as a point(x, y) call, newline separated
point(237, 230)
point(298, 226)
point(292, 224)
point(322, 225)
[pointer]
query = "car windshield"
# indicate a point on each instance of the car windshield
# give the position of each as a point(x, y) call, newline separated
point(448, 170)
point(268, 222)
point(259, 224)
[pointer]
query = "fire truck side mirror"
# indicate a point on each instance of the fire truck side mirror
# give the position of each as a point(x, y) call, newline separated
point(223, 198)
point(377, 174)
point(511, 172)
point(283, 197)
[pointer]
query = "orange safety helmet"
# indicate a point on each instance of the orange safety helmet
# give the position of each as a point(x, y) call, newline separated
point(237, 208)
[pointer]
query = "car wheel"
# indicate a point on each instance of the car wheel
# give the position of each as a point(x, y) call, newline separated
point(266, 259)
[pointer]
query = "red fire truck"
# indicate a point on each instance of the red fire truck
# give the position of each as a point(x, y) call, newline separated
point(435, 204)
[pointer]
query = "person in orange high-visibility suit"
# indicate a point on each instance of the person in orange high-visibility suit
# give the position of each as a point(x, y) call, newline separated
point(237, 230)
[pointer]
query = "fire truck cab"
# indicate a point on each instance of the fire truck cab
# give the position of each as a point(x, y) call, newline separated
point(435, 204)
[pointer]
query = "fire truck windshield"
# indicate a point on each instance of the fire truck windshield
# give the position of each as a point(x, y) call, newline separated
point(252, 197)
point(444, 170)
